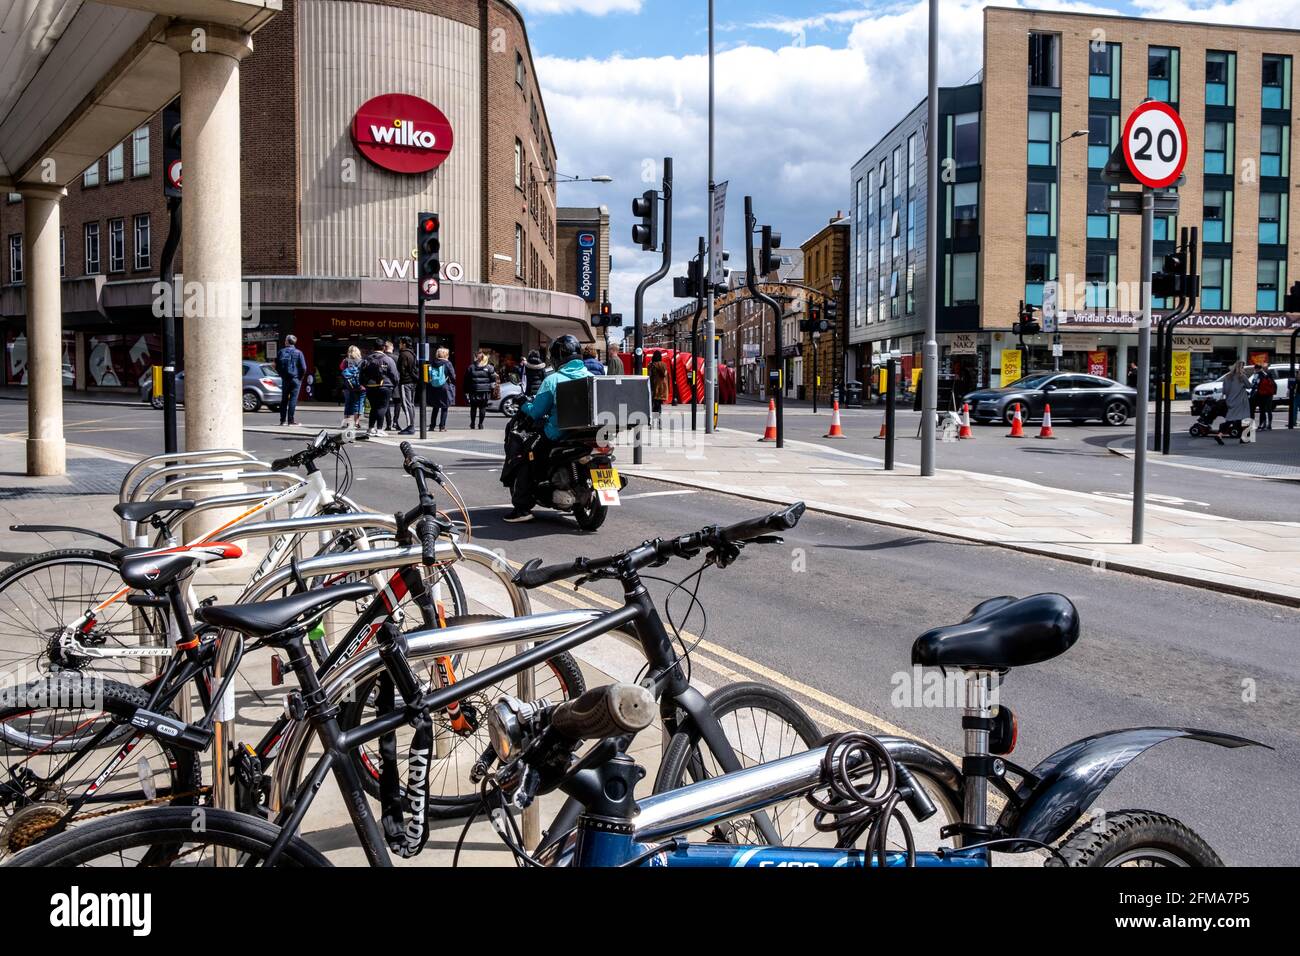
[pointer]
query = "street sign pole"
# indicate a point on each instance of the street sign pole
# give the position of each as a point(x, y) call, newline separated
point(1144, 367)
point(930, 358)
point(711, 357)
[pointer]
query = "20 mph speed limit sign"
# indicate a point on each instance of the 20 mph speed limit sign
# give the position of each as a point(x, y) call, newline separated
point(1155, 144)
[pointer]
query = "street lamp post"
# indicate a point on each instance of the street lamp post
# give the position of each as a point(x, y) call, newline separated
point(1056, 329)
point(836, 359)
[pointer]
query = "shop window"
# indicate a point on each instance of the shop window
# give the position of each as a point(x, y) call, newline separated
point(16, 258)
point(1044, 69)
point(92, 248)
point(140, 152)
point(117, 163)
point(1162, 73)
point(966, 139)
point(91, 176)
point(1270, 276)
point(1041, 140)
point(1215, 283)
point(1216, 216)
point(1103, 71)
point(1220, 78)
point(1276, 76)
point(1101, 224)
point(1040, 209)
point(965, 210)
point(116, 245)
point(1272, 218)
point(1218, 147)
point(142, 242)
point(962, 284)
point(1272, 147)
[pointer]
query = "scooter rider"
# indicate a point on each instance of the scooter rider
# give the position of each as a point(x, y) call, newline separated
point(566, 359)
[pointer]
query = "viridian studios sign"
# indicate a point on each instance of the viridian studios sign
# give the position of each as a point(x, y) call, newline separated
point(402, 133)
point(587, 266)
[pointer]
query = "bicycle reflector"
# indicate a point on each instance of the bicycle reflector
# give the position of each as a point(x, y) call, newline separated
point(1005, 730)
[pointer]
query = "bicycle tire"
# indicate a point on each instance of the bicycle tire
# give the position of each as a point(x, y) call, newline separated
point(166, 828)
point(24, 825)
point(567, 674)
point(39, 624)
point(1141, 837)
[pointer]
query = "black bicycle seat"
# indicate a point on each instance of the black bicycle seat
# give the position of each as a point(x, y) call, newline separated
point(140, 510)
point(154, 570)
point(270, 617)
point(1001, 633)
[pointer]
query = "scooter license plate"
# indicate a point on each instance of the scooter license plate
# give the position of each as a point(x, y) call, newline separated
point(604, 478)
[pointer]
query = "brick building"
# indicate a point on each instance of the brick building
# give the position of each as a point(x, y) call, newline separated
point(826, 259)
point(330, 196)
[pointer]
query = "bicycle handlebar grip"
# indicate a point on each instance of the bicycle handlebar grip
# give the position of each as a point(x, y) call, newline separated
point(407, 451)
point(782, 520)
point(605, 712)
point(533, 574)
point(429, 540)
point(280, 464)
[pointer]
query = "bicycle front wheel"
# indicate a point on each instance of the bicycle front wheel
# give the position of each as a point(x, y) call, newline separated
point(169, 836)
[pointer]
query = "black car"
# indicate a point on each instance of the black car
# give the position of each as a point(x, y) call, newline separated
point(1072, 395)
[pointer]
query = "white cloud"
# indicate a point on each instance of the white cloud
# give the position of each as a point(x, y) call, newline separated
point(595, 8)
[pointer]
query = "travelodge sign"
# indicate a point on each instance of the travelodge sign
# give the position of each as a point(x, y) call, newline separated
point(402, 133)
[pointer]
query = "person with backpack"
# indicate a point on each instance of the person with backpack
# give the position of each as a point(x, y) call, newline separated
point(292, 366)
point(379, 377)
point(408, 372)
point(1265, 393)
point(479, 379)
point(442, 389)
point(534, 373)
point(354, 395)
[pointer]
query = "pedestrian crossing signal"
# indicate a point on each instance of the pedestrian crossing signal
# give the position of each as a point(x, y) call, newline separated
point(427, 252)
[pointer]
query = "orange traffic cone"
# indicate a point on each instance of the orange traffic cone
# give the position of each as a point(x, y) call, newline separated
point(964, 431)
point(769, 433)
point(884, 429)
point(1017, 425)
point(836, 431)
point(1046, 430)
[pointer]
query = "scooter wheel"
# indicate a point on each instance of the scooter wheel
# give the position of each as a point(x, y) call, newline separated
point(1234, 430)
point(1198, 431)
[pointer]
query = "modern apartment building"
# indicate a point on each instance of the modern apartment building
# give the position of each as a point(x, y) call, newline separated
point(1043, 118)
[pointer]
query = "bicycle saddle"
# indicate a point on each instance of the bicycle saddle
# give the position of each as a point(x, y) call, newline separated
point(270, 617)
point(140, 510)
point(155, 570)
point(1002, 632)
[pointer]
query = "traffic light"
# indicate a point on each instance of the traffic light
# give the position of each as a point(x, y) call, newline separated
point(428, 266)
point(767, 260)
point(606, 318)
point(171, 130)
point(832, 311)
point(815, 322)
point(646, 233)
point(1291, 301)
point(1026, 325)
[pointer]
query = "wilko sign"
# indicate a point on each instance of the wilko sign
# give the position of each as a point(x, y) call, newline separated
point(587, 266)
point(402, 133)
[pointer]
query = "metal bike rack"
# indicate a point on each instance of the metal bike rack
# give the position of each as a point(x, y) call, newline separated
point(123, 492)
point(267, 479)
point(349, 562)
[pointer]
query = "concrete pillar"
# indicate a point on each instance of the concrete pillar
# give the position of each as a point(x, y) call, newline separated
point(46, 451)
point(210, 244)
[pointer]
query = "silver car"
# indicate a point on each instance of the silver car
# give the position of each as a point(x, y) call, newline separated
point(260, 386)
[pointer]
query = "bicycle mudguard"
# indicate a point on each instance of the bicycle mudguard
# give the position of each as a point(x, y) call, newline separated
point(1067, 783)
point(48, 528)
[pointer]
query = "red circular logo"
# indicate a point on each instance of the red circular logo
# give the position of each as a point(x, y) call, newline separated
point(402, 133)
point(1155, 144)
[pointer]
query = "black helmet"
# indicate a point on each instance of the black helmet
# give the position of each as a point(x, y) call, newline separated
point(564, 348)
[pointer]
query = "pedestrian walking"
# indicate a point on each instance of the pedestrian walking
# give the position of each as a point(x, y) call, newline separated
point(1263, 395)
point(1236, 392)
point(353, 394)
point(442, 389)
point(592, 361)
point(408, 373)
point(658, 388)
point(379, 376)
point(390, 417)
point(292, 366)
point(479, 379)
point(534, 373)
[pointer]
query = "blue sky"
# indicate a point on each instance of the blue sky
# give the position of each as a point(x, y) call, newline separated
point(805, 87)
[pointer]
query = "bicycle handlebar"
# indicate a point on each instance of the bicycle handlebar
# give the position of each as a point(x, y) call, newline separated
point(321, 446)
point(715, 537)
point(605, 712)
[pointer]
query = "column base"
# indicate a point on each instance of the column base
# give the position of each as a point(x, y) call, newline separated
point(47, 456)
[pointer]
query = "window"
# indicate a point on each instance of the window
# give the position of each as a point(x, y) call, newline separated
point(1270, 277)
point(519, 165)
point(911, 161)
point(1103, 71)
point(1041, 140)
point(1040, 218)
point(1272, 142)
point(895, 309)
point(1218, 147)
point(1099, 140)
point(13, 197)
point(63, 256)
point(965, 210)
point(1215, 283)
point(1272, 218)
point(142, 242)
point(91, 176)
point(911, 297)
point(92, 248)
point(1043, 70)
point(1220, 78)
point(898, 165)
point(1100, 279)
point(962, 279)
point(1216, 216)
point(116, 163)
point(966, 139)
point(519, 69)
point(911, 224)
point(896, 234)
point(519, 251)
point(140, 152)
point(1162, 73)
point(1100, 221)
point(116, 245)
point(1040, 268)
point(16, 258)
point(1276, 75)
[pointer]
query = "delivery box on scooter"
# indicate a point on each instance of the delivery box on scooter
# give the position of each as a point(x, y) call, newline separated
point(613, 403)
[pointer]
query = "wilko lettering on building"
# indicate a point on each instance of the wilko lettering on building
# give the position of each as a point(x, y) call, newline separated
point(402, 133)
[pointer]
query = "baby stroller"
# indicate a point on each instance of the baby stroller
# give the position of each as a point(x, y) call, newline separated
point(1203, 425)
